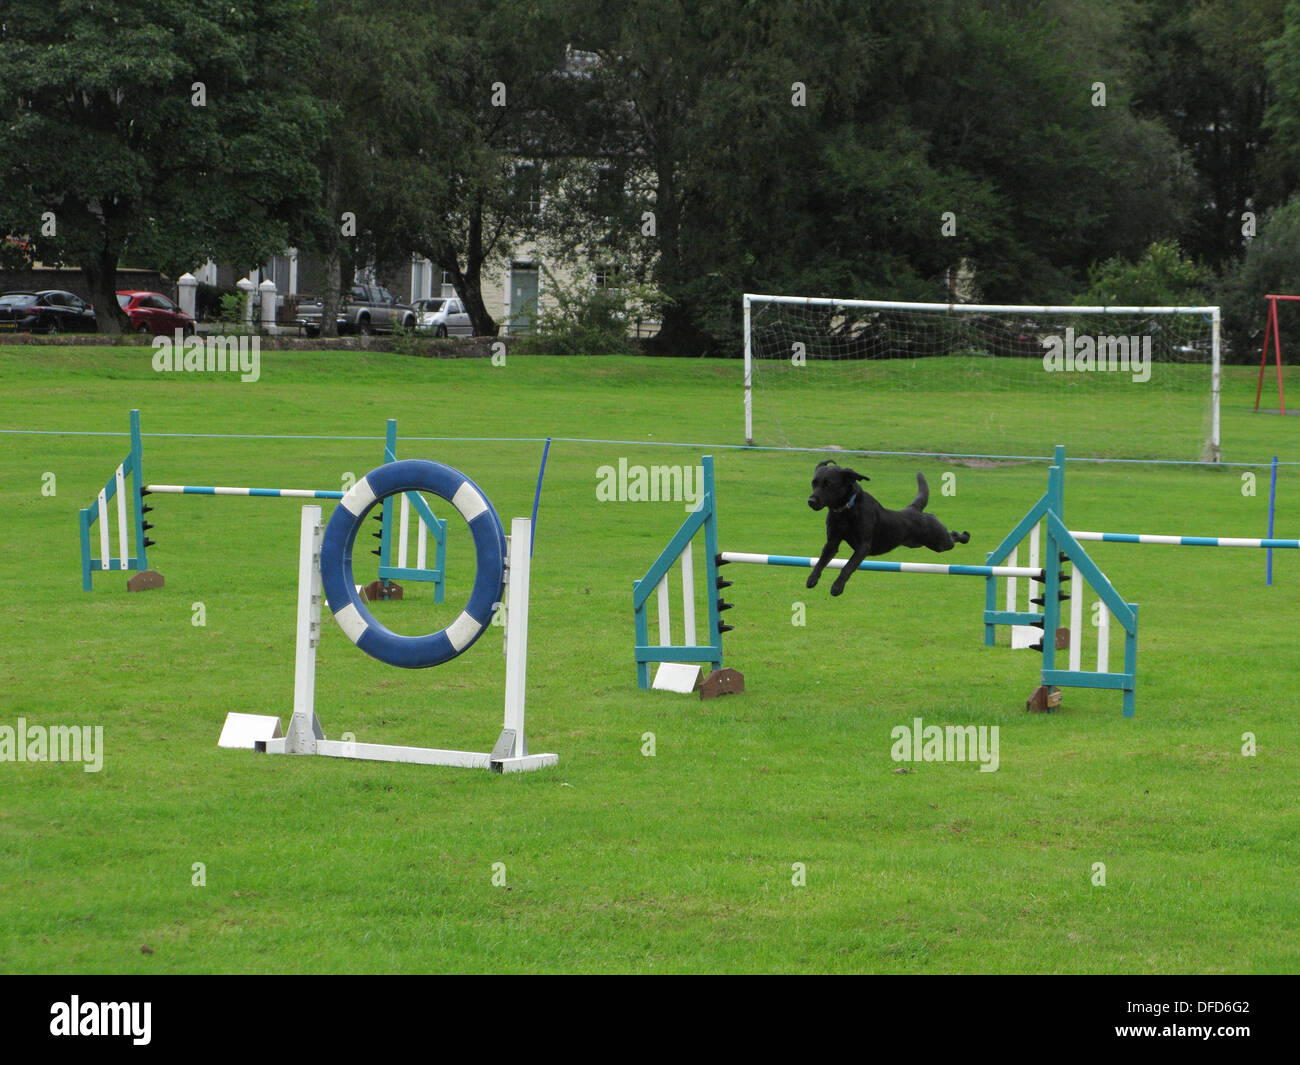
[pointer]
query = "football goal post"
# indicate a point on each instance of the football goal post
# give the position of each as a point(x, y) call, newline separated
point(987, 380)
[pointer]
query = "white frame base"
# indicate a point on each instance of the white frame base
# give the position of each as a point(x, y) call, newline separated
point(383, 752)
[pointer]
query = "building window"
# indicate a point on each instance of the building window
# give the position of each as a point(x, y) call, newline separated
point(277, 271)
point(528, 188)
point(421, 278)
point(607, 275)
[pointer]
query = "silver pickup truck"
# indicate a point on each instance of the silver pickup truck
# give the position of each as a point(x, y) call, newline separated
point(362, 309)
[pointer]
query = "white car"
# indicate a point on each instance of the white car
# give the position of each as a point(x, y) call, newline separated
point(443, 316)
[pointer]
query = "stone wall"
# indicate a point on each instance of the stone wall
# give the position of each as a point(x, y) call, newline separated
point(420, 347)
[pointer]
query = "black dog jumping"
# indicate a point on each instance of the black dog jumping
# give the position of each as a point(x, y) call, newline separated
point(857, 519)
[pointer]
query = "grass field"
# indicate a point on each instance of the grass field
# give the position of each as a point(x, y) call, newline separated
point(179, 857)
point(982, 406)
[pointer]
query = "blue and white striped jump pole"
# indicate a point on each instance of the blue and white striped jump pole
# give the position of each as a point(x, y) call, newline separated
point(1184, 541)
point(216, 490)
point(886, 567)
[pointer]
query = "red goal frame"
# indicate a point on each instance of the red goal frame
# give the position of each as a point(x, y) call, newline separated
point(1271, 334)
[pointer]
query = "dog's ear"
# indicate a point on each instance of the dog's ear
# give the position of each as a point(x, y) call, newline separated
point(855, 475)
point(825, 462)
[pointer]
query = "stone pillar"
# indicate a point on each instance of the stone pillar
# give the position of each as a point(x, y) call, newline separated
point(247, 288)
point(267, 289)
point(186, 287)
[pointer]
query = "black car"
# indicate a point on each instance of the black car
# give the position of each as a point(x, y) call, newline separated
point(51, 311)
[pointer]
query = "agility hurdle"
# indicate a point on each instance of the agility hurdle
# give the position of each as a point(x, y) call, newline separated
point(1030, 616)
point(426, 522)
point(133, 528)
point(1062, 548)
point(1046, 518)
point(1268, 543)
point(325, 572)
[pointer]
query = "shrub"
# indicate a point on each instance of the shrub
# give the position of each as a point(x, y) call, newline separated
point(207, 301)
point(1271, 264)
point(1161, 277)
point(582, 319)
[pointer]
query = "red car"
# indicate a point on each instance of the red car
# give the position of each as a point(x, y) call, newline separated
point(152, 312)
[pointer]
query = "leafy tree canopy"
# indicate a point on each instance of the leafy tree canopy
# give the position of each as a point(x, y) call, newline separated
point(165, 132)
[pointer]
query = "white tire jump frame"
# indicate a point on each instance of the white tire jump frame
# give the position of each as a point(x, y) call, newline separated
point(501, 579)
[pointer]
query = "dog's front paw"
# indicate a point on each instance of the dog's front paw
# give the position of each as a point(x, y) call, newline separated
point(837, 588)
point(812, 580)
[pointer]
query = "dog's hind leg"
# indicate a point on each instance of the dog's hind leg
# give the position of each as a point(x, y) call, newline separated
point(942, 543)
point(938, 537)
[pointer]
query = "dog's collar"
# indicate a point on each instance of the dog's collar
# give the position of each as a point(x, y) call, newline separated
point(847, 506)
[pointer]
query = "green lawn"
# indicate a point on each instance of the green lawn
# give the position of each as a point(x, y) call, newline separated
point(960, 405)
point(615, 861)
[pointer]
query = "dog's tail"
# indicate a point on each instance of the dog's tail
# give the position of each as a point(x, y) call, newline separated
point(922, 493)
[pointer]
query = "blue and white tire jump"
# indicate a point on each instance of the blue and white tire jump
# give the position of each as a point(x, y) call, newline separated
point(350, 611)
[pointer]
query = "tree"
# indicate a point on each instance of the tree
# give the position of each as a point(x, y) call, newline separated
point(1271, 264)
point(1201, 70)
point(362, 68)
point(442, 130)
point(167, 131)
point(700, 117)
point(1282, 119)
point(1035, 110)
point(813, 149)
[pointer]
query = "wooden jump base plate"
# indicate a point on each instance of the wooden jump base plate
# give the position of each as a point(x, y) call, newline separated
point(1043, 700)
point(725, 681)
point(144, 581)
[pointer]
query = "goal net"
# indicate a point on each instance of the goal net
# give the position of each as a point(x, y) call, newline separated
point(982, 380)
